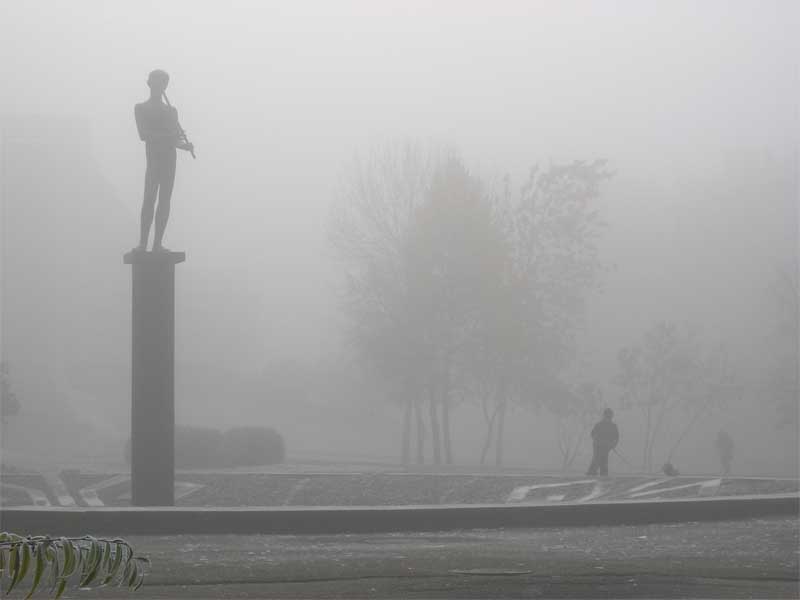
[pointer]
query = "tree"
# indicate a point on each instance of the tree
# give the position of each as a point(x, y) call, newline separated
point(369, 230)
point(456, 260)
point(455, 291)
point(674, 382)
point(82, 562)
point(575, 411)
point(551, 228)
point(715, 383)
point(782, 383)
point(9, 403)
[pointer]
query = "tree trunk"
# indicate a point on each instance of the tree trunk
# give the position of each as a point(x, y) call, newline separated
point(576, 446)
point(407, 431)
point(562, 437)
point(435, 431)
point(420, 433)
point(489, 435)
point(686, 430)
point(448, 449)
point(565, 462)
point(445, 395)
point(645, 462)
point(501, 421)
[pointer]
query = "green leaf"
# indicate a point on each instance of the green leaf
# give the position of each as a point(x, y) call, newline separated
point(126, 573)
point(98, 560)
point(13, 565)
point(38, 570)
point(51, 554)
point(89, 576)
point(98, 555)
point(134, 574)
point(70, 557)
point(120, 551)
point(2, 560)
point(92, 566)
point(106, 556)
point(62, 583)
point(24, 563)
point(140, 582)
point(27, 553)
point(93, 548)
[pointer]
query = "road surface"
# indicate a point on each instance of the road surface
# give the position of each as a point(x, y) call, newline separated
point(755, 558)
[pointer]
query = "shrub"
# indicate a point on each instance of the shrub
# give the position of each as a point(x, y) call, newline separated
point(195, 448)
point(252, 446)
point(206, 448)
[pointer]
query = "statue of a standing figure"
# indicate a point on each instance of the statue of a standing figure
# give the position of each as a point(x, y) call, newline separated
point(157, 122)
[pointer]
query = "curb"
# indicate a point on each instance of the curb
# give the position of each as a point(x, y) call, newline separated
point(385, 519)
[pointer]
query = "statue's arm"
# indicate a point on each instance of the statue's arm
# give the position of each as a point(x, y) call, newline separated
point(181, 142)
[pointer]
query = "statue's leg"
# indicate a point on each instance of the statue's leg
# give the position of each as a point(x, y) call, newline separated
point(148, 205)
point(167, 181)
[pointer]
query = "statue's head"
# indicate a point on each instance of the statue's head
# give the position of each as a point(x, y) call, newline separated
point(158, 80)
point(608, 414)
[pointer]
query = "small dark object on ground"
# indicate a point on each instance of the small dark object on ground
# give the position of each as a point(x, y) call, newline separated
point(670, 470)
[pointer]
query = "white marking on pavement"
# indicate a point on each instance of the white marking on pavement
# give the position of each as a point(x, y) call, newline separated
point(89, 494)
point(646, 485)
point(709, 488)
point(600, 488)
point(59, 489)
point(184, 488)
point(675, 487)
point(519, 494)
point(38, 497)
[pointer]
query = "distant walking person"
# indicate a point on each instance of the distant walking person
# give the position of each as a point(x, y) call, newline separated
point(161, 133)
point(724, 444)
point(605, 436)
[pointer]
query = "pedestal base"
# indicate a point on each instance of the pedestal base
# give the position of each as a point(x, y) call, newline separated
point(153, 377)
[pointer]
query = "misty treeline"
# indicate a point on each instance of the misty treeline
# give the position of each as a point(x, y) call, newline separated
point(781, 382)
point(467, 292)
point(464, 291)
point(9, 402)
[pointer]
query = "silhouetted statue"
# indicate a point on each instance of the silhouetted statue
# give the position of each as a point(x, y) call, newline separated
point(161, 133)
point(605, 437)
point(724, 444)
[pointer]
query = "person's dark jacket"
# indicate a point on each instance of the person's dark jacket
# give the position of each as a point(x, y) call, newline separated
point(605, 435)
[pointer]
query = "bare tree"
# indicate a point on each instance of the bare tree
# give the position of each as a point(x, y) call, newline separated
point(458, 293)
point(369, 229)
point(674, 382)
point(552, 226)
point(574, 411)
point(9, 403)
point(783, 377)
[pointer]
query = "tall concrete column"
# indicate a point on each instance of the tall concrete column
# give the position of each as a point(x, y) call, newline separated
point(153, 377)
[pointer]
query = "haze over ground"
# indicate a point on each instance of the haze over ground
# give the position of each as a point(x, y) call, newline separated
point(695, 105)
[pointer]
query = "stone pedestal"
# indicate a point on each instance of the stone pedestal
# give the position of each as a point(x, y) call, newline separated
point(153, 377)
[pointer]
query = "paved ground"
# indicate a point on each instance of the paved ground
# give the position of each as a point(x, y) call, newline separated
point(757, 558)
point(304, 488)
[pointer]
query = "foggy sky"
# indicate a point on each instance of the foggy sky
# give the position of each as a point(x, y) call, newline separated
point(278, 97)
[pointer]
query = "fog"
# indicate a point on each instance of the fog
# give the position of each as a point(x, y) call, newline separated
point(693, 105)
